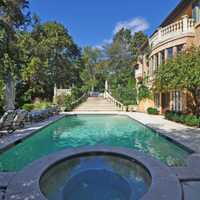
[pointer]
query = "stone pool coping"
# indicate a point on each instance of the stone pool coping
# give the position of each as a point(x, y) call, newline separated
point(157, 123)
point(26, 184)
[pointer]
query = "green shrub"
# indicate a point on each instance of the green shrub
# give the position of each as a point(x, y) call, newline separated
point(60, 100)
point(28, 107)
point(190, 120)
point(144, 92)
point(36, 106)
point(76, 93)
point(68, 103)
point(152, 111)
point(42, 105)
point(126, 96)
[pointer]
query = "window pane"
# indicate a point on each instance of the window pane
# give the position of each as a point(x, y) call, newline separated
point(196, 11)
point(170, 53)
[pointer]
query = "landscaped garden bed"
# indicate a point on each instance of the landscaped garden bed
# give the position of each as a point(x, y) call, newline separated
point(190, 120)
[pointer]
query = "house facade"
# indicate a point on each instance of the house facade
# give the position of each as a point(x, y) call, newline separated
point(179, 31)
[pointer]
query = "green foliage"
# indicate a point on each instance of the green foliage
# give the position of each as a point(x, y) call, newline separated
point(37, 106)
point(144, 92)
point(42, 105)
point(28, 107)
point(190, 120)
point(152, 111)
point(182, 72)
point(77, 92)
point(121, 56)
point(93, 74)
point(60, 100)
point(68, 103)
point(55, 59)
point(127, 96)
point(13, 18)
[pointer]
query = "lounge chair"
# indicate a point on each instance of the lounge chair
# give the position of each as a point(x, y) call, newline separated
point(6, 121)
point(20, 118)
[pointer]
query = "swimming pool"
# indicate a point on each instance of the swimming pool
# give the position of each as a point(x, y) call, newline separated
point(90, 130)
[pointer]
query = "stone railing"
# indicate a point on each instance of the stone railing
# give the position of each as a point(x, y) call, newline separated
point(111, 99)
point(80, 100)
point(183, 26)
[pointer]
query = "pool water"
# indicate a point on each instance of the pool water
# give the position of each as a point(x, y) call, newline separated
point(90, 130)
point(98, 177)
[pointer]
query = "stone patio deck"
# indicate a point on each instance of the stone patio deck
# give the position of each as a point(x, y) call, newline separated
point(188, 136)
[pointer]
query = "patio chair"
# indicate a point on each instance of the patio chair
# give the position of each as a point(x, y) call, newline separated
point(20, 118)
point(6, 122)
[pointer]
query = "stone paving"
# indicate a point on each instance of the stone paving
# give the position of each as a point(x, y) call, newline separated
point(188, 136)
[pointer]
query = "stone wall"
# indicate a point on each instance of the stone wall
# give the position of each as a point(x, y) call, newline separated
point(197, 34)
point(144, 105)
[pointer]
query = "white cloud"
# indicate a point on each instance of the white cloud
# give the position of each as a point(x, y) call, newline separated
point(135, 25)
point(100, 47)
point(105, 42)
point(108, 41)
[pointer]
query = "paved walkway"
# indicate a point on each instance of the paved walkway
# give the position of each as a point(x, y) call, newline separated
point(185, 135)
point(96, 104)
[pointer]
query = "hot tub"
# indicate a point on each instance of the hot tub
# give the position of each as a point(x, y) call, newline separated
point(96, 177)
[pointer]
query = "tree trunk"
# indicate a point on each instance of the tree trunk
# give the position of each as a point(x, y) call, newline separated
point(9, 93)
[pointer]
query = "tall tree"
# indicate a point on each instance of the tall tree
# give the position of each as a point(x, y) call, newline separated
point(53, 58)
point(92, 58)
point(13, 17)
point(122, 55)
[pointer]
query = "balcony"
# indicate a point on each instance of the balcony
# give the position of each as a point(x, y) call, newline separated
point(183, 27)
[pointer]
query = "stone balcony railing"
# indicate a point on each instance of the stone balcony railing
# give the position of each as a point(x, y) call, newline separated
point(182, 27)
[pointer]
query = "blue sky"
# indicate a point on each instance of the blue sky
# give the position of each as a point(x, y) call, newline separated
point(93, 22)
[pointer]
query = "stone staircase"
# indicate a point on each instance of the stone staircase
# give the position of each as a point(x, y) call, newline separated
point(98, 104)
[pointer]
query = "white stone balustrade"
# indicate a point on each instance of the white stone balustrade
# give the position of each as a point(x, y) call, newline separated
point(183, 26)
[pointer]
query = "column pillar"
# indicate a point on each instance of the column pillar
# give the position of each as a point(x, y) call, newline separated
point(175, 51)
point(185, 22)
point(161, 109)
point(159, 59)
point(166, 55)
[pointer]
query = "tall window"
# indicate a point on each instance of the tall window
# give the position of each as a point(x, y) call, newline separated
point(162, 57)
point(176, 101)
point(157, 100)
point(196, 11)
point(156, 62)
point(169, 53)
point(151, 66)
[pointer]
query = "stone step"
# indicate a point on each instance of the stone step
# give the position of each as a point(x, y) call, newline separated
point(96, 104)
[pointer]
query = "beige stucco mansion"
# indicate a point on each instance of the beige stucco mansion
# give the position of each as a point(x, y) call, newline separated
point(177, 32)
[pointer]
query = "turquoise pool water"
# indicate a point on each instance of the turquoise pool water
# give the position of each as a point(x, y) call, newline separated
point(84, 130)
